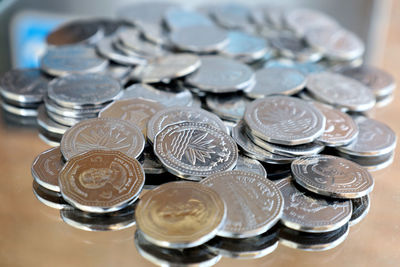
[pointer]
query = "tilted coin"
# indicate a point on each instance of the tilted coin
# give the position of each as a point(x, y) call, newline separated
point(48, 197)
point(180, 214)
point(253, 203)
point(167, 67)
point(179, 17)
point(18, 111)
point(309, 213)
point(173, 115)
point(136, 110)
point(340, 91)
point(340, 128)
point(284, 120)
point(23, 87)
point(332, 176)
point(192, 149)
point(102, 133)
point(247, 164)
point(230, 107)
point(360, 209)
point(221, 75)
point(293, 47)
point(45, 168)
point(111, 221)
point(375, 138)
point(312, 241)
point(101, 181)
point(200, 39)
point(49, 126)
point(197, 256)
point(83, 90)
point(68, 59)
point(130, 38)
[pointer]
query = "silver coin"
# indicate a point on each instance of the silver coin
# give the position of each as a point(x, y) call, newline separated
point(340, 91)
point(23, 86)
point(49, 125)
point(229, 107)
point(375, 138)
point(384, 101)
point(312, 241)
point(192, 149)
point(304, 67)
point(69, 59)
point(120, 73)
point(179, 17)
point(151, 164)
point(170, 98)
point(49, 198)
point(22, 112)
point(83, 90)
point(66, 121)
point(253, 151)
point(340, 128)
point(332, 176)
point(48, 140)
point(374, 163)
point(245, 47)
point(247, 164)
point(102, 133)
point(284, 120)
point(309, 213)
point(292, 47)
point(167, 67)
point(253, 203)
point(276, 80)
point(197, 256)
point(379, 81)
point(200, 39)
point(231, 15)
point(145, 12)
point(130, 38)
point(361, 208)
point(173, 115)
point(221, 75)
point(78, 113)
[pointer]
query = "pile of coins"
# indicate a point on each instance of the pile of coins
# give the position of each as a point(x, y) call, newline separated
point(220, 131)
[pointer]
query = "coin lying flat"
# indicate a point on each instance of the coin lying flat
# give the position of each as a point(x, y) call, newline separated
point(332, 176)
point(231, 15)
point(102, 133)
point(130, 38)
point(180, 214)
point(191, 149)
point(247, 164)
point(101, 181)
point(197, 256)
point(221, 75)
point(340, 128)
point(308, 213)
point(360, 209)
point(230, 107)
point(18, 111)
point(48, 125)
point(45, 168)
point(179, 17)
point(284, 120)
point(340, 91)
point(292, 47)
point(137, 111)
point(371, 163)
point(173, 115)
point(253, 203)
point(50, 198)
point(375, 138)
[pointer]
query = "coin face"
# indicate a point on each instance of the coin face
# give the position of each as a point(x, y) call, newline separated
point(180, 214)
point(101, 181)
point(284, 120)
point(375, 138)
point(230, 107)
point(253, 203)
point(192, 149)
point(136, 110)
point(102, 133)
point(308, 213)
point(340, 128)
point(332, 176)
point(340, 91)
point(221, 75)
point(247, 164)
point(45, 168)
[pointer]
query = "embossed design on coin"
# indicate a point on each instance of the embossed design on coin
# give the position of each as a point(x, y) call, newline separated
point(195, 149)
point(254, 204)
point(308, 213)
point(180, 214)
point(101, 181)
point(102, 133)
point(332, 176)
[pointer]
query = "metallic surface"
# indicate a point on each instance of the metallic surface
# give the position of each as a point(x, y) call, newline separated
point(46, 167)
point(247, 164)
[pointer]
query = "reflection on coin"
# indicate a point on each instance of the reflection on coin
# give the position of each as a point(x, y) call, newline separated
point(151, 164)
point(332, 176)
point(253, 203)
point(101, 181)
point(45, 168)
point(76, 113)
point(340, 91)
point(49, 140)
point(292, 47)
point(191, 149)
point(180, 214)
point(221, 75)
point(137, 111)
point(360, 209)
point(18, 111)
point(102, 133)
point(120, 73)
point(309, 213)
point(48, 197)
point(374, 163)
point(284, 120)
point(250, 165)
point(130, 38)
point(230, 107)
point(231, 15)
point(49, 126)
point(112, 221)
point(180, 17)
point(197, 256)
point(304, 67)
point(173, 115)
